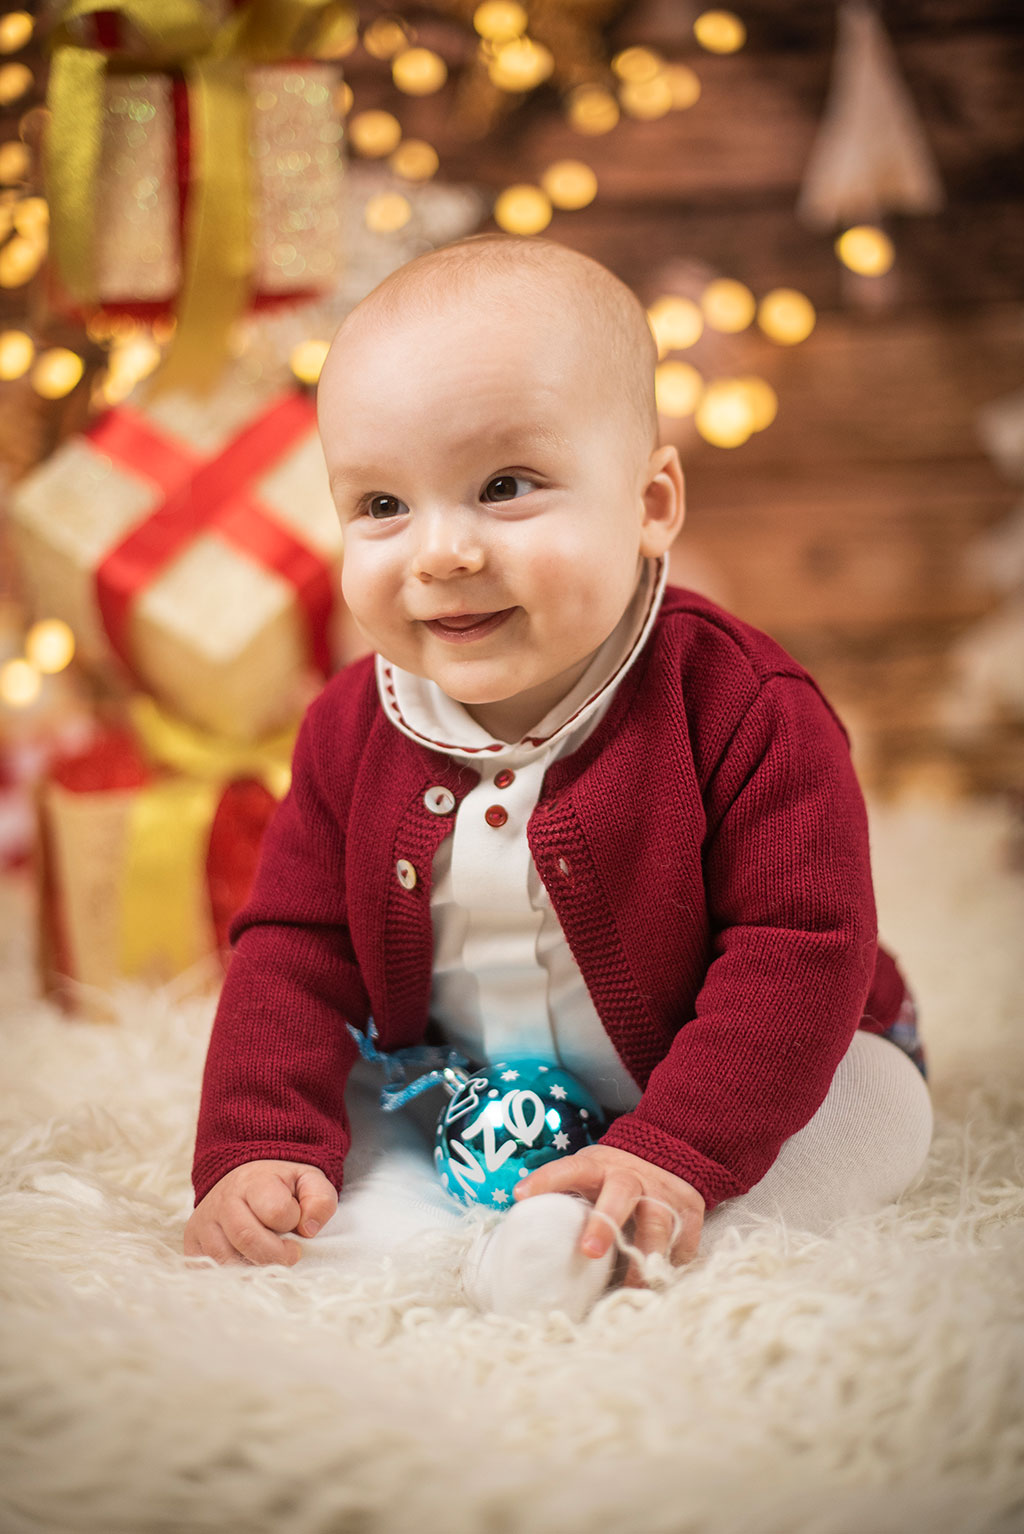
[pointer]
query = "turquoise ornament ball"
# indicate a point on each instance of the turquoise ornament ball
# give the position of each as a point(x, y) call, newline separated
point(506, 1121)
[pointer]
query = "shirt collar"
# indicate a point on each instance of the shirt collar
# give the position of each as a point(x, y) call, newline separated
point(428, 716)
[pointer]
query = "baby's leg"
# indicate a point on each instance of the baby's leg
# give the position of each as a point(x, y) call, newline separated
point(392, 1192)
point(862, 1148)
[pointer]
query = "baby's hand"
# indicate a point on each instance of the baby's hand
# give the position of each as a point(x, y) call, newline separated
point(243, 1216)
point(615, 1181)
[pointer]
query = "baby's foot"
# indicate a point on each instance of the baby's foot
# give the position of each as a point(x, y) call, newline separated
point(531, 1260)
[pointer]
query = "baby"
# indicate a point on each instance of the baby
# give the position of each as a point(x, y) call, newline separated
point(566, 811)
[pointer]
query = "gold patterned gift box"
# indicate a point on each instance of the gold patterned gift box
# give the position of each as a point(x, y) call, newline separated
point(197, 542)
point(147, 846)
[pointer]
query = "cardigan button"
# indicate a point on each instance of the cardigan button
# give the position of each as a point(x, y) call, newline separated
point(439, 800)
point(495, 815)
point(504, 778)
point(406, 874)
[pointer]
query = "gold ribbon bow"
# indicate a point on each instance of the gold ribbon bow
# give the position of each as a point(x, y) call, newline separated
point(217, 258)
point(164, 923)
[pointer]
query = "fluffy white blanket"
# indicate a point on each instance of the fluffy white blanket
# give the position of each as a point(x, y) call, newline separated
point(860, 1384)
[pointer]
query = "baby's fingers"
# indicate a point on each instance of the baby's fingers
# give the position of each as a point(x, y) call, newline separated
point(255, 1243)
point(318, 1201)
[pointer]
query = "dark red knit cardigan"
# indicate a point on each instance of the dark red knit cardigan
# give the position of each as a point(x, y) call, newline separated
point(706, 852)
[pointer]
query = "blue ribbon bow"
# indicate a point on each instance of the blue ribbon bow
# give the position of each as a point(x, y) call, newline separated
point(439, 1066)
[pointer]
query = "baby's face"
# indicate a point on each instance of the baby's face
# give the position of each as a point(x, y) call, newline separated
point(492, 495)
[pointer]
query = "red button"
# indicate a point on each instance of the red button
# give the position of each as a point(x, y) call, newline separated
point(503, 778)
point(495, 815)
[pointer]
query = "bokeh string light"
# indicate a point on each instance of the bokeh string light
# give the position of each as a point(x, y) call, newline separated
point(866, 250)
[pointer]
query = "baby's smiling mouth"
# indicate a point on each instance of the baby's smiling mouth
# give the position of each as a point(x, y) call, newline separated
point(461, 627)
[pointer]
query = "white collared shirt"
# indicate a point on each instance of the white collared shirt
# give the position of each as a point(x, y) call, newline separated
point(504, 979)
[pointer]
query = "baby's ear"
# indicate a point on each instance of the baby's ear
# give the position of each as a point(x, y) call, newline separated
point(664, 498)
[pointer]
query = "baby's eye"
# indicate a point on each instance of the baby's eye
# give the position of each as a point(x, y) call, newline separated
point(383, 507)
point(506, 487)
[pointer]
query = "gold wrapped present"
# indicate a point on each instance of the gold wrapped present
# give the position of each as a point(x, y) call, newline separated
point(197, 541)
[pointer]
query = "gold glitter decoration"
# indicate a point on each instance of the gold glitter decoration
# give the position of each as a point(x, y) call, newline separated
point(683, 84)
point(20, 259)
point(14, 162)
point(17, 353)
point(15, 31)
point(296, 160)
point(419, 71)
point(570, 184)
point(15, 80)
point(592, 110)
point(387, 212)
point(385, 36)
point(414, 160)
point(374, 134)
point(136, 251)
point(646, 99)
point(499, 21)
point(56, 372)
point(720, 31)
point(522, 209)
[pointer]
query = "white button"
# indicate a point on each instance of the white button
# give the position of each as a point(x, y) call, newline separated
point(439, 800)
point(406, 874)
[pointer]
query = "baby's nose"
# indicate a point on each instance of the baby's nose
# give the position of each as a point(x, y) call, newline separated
point(449, 544)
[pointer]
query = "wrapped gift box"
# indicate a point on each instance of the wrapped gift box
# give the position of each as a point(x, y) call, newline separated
point(198, 541)
point(141, 867)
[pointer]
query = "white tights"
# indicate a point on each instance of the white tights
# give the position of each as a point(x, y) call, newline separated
point(862, 1148)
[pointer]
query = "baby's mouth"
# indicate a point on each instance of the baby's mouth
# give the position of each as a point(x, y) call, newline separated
point(461, 627)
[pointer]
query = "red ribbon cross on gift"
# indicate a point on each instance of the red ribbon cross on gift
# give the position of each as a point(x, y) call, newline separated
point(206, 496)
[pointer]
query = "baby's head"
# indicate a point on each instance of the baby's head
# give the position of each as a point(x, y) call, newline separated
point(488, 421)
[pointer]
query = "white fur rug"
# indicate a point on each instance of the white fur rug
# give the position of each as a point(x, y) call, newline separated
point(861, 1384)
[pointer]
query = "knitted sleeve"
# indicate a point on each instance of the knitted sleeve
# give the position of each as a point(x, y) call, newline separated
point(793, 935)
point(280, 1054)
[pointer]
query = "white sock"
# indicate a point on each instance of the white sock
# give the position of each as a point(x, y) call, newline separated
point(531, 1260)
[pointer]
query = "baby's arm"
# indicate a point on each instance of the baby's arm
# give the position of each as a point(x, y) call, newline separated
point(244, 1216)
point(622, 1186)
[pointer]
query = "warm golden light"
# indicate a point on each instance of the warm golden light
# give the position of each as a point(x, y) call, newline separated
point(762, 400)
point(636, 64)
point(683, 84)
point(592, 110)
point(56, 373)
point(522, 209)
point(31, 217)
point(720, 31)
point(677, 388)
point(20, 683)
point(133, 359)
point(15, 80)
point(17, 353)
point(786, 316)
point(50, 645)
point(20, 259)
point(343, 99)
point(385, 37)
point(419, 71)
point(646, 99)
point(725, 416)
point(374, 133)
point(14, 162)
point(866, 250)
point(499, 21)
point(569, 184)
point(415, 160)
point(728, 306)
point(307, 360)
point(520, 65)
point(677, 322)
point(338, 36)
point(387, 212)
point(15, 31)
